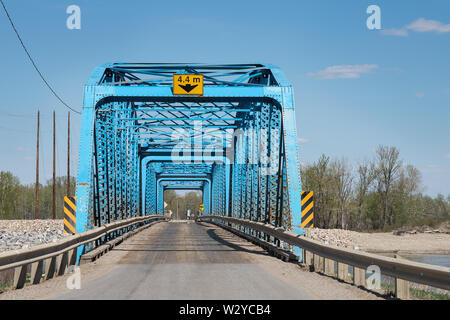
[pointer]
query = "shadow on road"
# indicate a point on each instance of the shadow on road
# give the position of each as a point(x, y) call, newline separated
point(212, 233)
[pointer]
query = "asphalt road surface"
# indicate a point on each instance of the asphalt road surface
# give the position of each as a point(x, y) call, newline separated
point(187, 261)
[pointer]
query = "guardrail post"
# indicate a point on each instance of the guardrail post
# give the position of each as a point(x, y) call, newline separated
point(316, 262)
point(72, 257)
point(309, 259)
point(401, 286)
point(36, 272)
point(50, 267)
point(329, 267)
point(359, 277)
point(319, 263)
point(343, 271)
point(401, 289)
point(20, 276)
point(62, 263)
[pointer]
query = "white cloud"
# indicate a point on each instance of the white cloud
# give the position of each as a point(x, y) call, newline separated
point(420, 95)
point(395, 32)
point(419, 25)
point(423, 25)
point(343, 71)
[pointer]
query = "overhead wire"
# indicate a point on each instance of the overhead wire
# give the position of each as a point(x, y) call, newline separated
point(33, 63)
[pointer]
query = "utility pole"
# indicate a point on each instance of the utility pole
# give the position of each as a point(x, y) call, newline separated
point(54, 167)
point(36, 195)
point(68, 154)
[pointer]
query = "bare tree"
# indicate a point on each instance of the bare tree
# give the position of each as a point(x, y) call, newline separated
point(413, 179)
point(366, 176)
point(388, 167)
point(404, 195)
point(317, 178)
point(343, 180)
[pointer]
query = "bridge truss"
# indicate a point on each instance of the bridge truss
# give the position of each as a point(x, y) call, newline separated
point(236, 143)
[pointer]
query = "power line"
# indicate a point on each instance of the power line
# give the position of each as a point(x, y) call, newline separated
point(32, 61)
point(25, 116)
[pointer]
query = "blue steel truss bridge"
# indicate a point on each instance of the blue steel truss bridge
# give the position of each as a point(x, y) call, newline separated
point(229, 132)
point(236, 143)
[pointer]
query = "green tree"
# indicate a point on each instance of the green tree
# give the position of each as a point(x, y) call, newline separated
point(9, 194)
point(179, 204)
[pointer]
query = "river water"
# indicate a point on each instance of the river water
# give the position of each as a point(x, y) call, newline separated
point(435, 259)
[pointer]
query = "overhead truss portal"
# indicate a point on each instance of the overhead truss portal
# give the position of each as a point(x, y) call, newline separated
point(236, 142)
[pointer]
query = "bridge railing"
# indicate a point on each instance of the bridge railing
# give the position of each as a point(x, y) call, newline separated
point(322, 258)
point(45, 261)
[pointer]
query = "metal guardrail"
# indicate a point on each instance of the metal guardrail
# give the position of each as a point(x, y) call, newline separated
point(323, 256)
point(61, 254)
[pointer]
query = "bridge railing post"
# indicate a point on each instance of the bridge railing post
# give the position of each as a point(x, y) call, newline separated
point(309, 259)
point(343, 272)
point(20, 276)
point(319, 263)
point(63, 260)
point(402, 289)
point(36, 272)
point(50, 267)
point(359, 277)
point(329, 267)
point(401, 286)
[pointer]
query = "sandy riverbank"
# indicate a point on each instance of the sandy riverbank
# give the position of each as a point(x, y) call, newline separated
point(384, 242)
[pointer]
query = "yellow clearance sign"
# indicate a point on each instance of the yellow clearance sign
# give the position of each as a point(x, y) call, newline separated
point(188, 84)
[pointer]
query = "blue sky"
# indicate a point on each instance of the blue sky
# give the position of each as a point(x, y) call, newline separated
point(355, 88)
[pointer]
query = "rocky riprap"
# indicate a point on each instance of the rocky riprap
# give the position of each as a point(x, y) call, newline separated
point(335, 237)
point(19, 234)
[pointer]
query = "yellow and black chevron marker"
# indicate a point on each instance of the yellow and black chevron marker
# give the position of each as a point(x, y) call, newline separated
point(70, 214)
point(307, 209)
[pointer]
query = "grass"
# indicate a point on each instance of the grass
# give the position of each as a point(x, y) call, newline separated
point(417, 293)
point(428, 295)
point(5, 285)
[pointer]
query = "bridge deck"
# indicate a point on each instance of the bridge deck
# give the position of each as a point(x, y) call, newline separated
point(187, 261)
point(191, 261)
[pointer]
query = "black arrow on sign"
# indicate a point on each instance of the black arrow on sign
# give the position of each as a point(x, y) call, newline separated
point(188, 88)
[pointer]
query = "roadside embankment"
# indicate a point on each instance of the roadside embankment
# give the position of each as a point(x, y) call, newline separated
point(417, 241)
point(426, 243)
